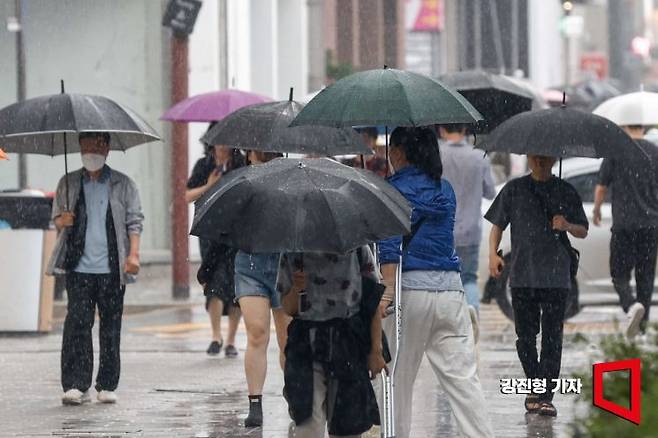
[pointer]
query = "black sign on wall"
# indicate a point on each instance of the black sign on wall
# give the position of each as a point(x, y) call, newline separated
point(181, 16)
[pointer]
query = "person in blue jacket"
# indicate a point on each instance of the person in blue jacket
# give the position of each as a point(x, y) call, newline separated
point(435, 316)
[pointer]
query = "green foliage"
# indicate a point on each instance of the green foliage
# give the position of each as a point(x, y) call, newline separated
point(601, 424)
point(336, 70)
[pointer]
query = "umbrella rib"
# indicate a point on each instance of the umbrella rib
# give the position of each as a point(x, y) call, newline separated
point(333, 216)
point(326, 201)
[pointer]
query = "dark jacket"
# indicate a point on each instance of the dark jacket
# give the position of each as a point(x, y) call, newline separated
point(76, 238)
point(342, 347)
point(432, 248)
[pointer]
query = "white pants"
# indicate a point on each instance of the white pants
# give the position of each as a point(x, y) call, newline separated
point(324, 398)
point(438, 324)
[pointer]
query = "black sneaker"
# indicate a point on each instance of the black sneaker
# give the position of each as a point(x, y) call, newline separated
point(255, 417)
point(214, 348)
point(231, 351)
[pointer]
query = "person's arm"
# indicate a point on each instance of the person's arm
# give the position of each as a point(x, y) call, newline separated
point(599, 195)
point(388, 273)
point(496, 262)
point(606, 177)
point(574, 220)
point(61, 218)
point(488, 184)
point(192, 195)
point(376, 362)
point(560, 223)
point(134, 227)
point(132, 261)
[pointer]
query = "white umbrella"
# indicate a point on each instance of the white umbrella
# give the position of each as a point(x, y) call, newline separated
point(639, 108)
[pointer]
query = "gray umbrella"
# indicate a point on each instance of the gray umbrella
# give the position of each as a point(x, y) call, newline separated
point(44, 125)
point(40, 125)
point(307, 205)
point(265, 127)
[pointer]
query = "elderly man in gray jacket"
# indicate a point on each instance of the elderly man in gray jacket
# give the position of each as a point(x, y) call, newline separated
point(98, 250)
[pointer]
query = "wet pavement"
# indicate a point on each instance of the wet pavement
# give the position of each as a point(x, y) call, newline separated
point(169, 387)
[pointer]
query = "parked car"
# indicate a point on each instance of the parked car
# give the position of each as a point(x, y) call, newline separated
point(594, 272)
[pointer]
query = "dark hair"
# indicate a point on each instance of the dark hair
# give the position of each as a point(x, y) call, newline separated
point(421, 149)
point(105, 136)
point(453, 128)
point(370, 131)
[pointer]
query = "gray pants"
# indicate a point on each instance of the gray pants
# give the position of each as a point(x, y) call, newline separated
point(324, 396)
point(438, 325)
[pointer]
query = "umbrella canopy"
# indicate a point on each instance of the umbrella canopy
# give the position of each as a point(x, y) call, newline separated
point(39, 125)
point(631, 109)
point(387, 97)
point(495, 96)
point(265, 127)
point(306, 205)
point(589, 94)
point(209, 107)
point(559, 132)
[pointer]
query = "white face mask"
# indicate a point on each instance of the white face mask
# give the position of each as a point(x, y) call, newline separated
point(93, 162)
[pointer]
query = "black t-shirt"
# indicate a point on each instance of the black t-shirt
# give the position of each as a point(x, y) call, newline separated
point(634, 184)
point(539, 259)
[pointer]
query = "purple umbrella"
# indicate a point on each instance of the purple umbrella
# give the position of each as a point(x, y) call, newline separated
point(208, 107)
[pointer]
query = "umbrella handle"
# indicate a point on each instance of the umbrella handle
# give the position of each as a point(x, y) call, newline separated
point(66, 170)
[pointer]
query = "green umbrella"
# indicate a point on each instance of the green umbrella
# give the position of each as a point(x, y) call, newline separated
point(387, 97)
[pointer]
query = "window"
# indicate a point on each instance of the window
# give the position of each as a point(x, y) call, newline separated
point(585, 184)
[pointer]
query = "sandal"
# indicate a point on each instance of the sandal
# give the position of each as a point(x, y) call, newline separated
point(547, 409)
point(532, 403)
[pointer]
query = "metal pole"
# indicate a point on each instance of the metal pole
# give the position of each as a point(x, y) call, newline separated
point(223, 45)
point(477, 34)
point(20, 86)
point(515, 36)
point(498, 41)
point(179, 163)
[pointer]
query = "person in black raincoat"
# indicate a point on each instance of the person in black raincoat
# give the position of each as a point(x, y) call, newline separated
point(334, 342)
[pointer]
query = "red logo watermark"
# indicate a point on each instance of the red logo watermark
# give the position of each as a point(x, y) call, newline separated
point(634, 366)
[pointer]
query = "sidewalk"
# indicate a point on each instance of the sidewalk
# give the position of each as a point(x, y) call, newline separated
point(171, 388)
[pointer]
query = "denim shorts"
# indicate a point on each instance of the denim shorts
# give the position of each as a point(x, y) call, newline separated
point(255, 276)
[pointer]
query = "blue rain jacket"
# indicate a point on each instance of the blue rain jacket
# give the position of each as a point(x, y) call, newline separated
point(433, 246)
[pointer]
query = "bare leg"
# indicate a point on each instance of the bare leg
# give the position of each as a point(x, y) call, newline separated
point(281, 321)
point(233, 321)
point(215, 310)
point(256, 312)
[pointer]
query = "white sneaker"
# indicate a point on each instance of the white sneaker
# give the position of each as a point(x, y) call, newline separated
point(635, 315)
point(75, 397)
point(107, 397)
point(474, 322)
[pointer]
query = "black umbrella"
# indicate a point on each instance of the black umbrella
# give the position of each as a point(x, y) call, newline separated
point(306, 205)
point(559, 132)
point(265, 127)
point(41, 125)
point(589, 94)
point(496, 97)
